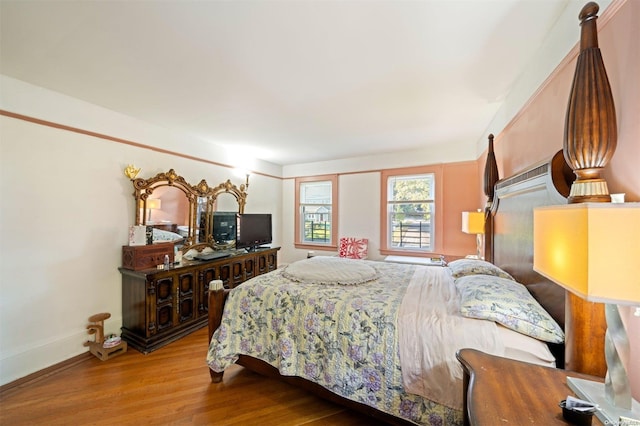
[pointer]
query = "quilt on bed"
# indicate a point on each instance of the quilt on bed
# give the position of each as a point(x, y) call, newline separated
point(343, 337)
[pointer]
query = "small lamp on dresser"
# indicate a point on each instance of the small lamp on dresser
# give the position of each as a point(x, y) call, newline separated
point(153, 204)
point(592, 250)
point(473, 223)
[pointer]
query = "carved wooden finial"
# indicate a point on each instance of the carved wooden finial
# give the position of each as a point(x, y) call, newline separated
point(589, 29)
point(589, 11)
point(590, 134)
point(490, 172)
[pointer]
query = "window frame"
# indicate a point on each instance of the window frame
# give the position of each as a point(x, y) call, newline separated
point(298, 242)
point(437, 221)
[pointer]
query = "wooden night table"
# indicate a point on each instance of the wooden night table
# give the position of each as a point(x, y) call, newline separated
point(501, 391)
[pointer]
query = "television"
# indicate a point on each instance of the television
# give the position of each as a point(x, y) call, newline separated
point(224, 226)
point(253, 230)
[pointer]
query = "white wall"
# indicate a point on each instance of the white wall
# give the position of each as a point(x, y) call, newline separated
point(359, 201)
point(65, 210)
point(359, 214)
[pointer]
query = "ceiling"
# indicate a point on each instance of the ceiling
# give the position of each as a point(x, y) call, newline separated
point(289, 82)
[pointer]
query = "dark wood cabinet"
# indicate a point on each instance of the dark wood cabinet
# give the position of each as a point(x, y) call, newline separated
point(159, 307)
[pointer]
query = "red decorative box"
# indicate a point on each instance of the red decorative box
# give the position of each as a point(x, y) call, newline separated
point(146, 257)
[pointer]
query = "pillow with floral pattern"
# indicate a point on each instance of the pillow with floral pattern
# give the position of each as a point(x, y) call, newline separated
point(509, 303)
point(461, 267)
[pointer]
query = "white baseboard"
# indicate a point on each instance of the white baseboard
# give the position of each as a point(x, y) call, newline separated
point(21, 362)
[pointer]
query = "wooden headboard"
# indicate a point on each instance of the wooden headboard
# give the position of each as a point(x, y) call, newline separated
point(589, 142)
point(511, 222)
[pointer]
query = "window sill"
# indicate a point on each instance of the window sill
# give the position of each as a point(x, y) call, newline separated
point(416, 253)
point(308, 246)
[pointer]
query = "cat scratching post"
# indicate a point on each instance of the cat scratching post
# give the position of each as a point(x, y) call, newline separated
point(102, 349)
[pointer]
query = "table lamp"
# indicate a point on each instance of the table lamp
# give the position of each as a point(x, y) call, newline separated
point(473, 223)
point(153, 204)
point(592, 250)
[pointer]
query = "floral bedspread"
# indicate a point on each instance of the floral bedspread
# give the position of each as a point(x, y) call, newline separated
point(342, 337)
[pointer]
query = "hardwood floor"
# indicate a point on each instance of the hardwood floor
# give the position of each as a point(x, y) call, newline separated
point(168, 386)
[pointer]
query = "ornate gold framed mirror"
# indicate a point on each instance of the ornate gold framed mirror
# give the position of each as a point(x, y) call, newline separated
point(184, 213)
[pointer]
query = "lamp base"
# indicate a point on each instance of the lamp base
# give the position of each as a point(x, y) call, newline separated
point(479, 246)
point(608, 413)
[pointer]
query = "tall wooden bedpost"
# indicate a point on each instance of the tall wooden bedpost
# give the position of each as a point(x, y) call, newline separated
point(216, 299)
point(590, 138)
point(490, 179)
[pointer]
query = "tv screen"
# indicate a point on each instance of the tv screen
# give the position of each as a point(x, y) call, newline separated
point(224, 226)
point(253, 230)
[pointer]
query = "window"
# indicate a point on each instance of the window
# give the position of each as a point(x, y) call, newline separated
point(410, 211)
point(316, 216)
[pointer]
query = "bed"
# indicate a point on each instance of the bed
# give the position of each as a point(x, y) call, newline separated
point(164, 236)
point(369, 371)
point(380, 354)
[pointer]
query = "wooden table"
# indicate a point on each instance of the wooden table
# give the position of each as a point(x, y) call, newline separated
point(501, 391)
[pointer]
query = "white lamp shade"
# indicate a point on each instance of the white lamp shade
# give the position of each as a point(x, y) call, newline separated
point(590, 249)
point(473, 222)
point(154, 203)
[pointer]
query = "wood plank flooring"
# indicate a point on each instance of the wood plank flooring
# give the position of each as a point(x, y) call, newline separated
point(170, 386)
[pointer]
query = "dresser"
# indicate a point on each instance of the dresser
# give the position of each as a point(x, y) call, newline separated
point(159, 307)
point(502, 391)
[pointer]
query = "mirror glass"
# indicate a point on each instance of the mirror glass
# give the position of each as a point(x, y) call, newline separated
point(167, 208)
point(224, 227)
point(226, 202)
point(202, 219)
point(225, 209)
point(218, 219)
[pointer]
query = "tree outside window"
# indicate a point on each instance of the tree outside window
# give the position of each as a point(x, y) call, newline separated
point(316, 211)
point(410, 212)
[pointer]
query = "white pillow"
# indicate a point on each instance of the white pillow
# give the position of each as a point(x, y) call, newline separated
point(162, 235)
point(525, 348)
point(330, 270)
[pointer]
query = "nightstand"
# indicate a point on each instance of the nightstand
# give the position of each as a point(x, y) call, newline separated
point(508, 392)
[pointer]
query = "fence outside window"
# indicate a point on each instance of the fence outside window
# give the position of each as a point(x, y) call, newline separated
point(410, 234)
point(317, 231)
